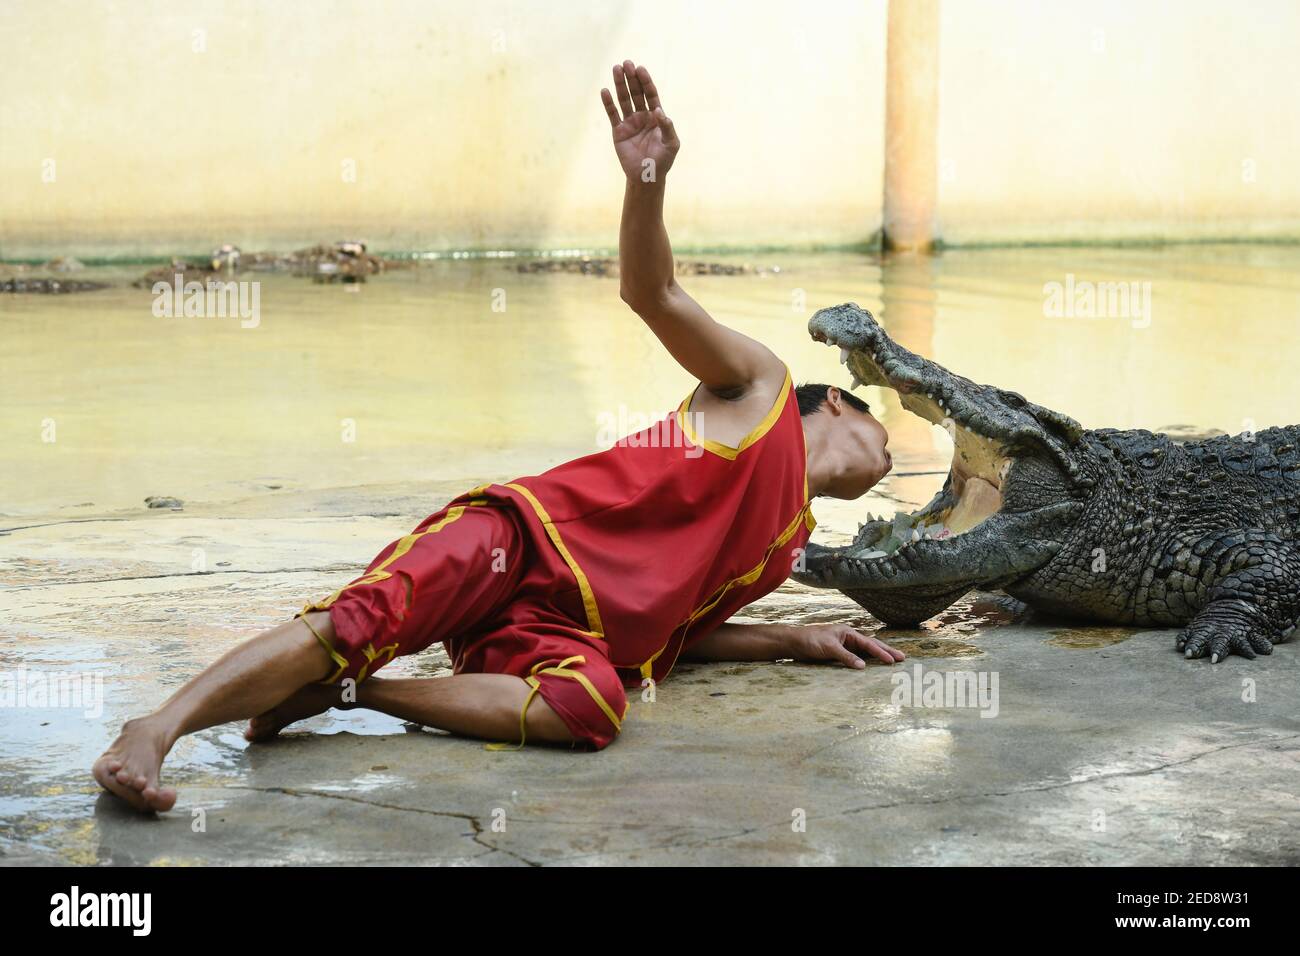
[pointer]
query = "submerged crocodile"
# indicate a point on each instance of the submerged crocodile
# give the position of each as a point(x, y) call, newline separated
point(345, 261)
point(1127, 527)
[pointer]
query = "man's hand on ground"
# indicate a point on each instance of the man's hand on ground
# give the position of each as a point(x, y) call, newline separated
point(838, 643)
point(644, 138)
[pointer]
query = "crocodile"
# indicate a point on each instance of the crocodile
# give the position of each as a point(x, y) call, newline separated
point(1126, 527)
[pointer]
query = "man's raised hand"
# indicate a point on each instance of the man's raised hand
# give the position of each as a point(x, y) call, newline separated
point(644, 138)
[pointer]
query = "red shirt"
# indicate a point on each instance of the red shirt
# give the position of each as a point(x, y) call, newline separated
point(667, 534)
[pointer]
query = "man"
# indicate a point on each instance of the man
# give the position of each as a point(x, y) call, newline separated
point(552, 593)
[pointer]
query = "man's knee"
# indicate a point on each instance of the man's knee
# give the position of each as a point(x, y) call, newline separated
point(588, 696)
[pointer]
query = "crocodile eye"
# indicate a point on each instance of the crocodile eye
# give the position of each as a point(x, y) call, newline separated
point(1150, 460)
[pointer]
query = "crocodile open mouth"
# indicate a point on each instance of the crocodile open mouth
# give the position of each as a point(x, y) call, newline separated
point(972, 492)
point(981, 529)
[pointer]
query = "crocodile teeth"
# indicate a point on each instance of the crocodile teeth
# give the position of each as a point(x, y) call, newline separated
point(844, 356)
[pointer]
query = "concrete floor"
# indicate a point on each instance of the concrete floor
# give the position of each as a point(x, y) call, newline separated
point(1107, 748)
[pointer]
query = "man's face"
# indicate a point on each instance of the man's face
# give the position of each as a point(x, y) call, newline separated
point(863, 441)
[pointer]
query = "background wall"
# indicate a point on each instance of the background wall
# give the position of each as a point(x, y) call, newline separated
point(1119, 118)
point(175, 125)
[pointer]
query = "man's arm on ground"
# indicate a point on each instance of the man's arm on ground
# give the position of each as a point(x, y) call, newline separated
point(771, 642)
point(742, 642)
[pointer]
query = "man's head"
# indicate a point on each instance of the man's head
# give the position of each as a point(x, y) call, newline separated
point(852, 439)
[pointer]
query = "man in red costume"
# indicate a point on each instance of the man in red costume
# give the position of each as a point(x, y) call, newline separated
point(554, 593)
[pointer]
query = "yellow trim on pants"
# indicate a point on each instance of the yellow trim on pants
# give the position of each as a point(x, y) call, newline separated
point(560, 670)
point(373, 576)
point(338, 658)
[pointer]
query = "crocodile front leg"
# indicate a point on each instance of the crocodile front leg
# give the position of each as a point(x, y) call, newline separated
point(1253, 598)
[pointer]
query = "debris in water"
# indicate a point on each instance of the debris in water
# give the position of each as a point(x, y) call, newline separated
point(50, 286)
point(596, 266)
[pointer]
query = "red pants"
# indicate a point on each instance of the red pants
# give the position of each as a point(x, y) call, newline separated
point(468, 577)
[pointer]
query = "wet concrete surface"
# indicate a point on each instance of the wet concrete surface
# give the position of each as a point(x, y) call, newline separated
point(1104, 751)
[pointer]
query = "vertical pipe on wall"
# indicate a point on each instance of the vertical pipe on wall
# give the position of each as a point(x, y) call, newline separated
point(911, 125)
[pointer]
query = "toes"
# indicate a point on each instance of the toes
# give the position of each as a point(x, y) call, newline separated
point(1242, 646)
point(1260, 643)
point(1221, 645)
point(1218, 645)
point(160, 799)
point(136, 781)
point(157, 796)
point(1195, 644)
point(262, 727)
point(110, 783)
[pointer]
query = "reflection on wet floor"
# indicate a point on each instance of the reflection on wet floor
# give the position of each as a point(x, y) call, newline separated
point(1087, 638)
point(952, 633)
point(927, 647)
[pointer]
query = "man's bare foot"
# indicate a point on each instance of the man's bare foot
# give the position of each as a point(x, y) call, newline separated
point(306, 702)
point(129, 768)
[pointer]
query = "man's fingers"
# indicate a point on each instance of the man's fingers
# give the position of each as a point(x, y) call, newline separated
point(634, 84)
point(877, 649)
point(610, 109)
point(648, 85)
point(846, 657)
point(890, 655)
point(620, 90)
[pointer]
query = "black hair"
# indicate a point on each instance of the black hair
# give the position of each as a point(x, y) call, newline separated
point(812, 396)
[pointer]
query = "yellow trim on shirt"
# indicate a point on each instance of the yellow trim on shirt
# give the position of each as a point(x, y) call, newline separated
point(749, 577)
point(759, 430)
point(594, 625)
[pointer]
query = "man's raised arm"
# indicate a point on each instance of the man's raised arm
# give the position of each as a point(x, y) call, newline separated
point(726, 362)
